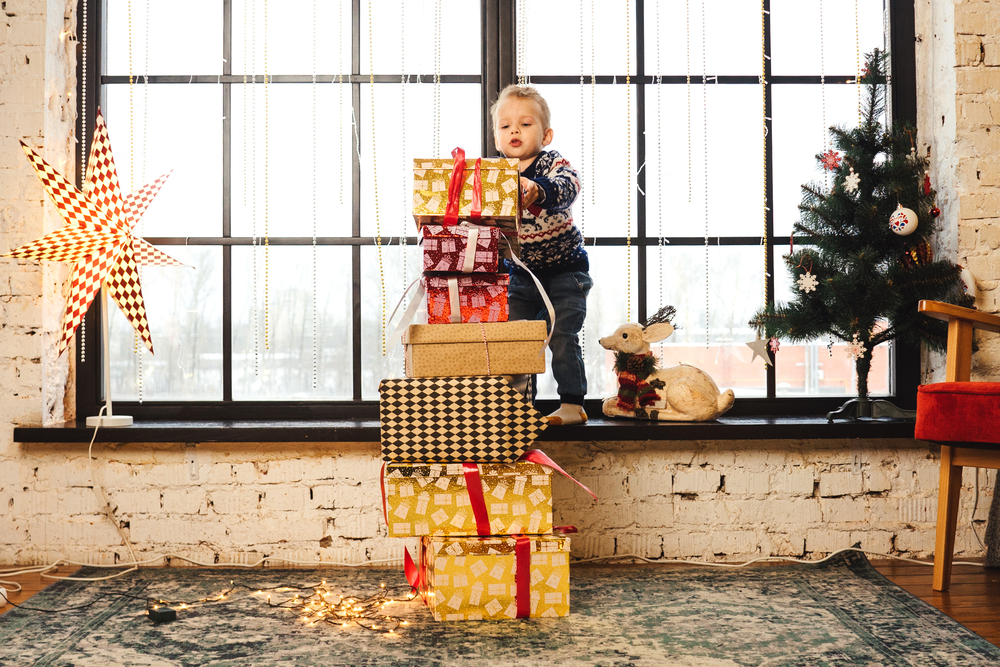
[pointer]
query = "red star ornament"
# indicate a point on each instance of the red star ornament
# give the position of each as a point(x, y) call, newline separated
point(97, 236)
point(830, 160)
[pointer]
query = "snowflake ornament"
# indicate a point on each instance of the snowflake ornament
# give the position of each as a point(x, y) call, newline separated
point(807, 282)
point(913, 157)
point(856, 349)
point(831, 160)
point(774, 344)
point(851, 182)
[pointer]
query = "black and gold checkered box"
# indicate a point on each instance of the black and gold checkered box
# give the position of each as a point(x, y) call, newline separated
point(455, 419)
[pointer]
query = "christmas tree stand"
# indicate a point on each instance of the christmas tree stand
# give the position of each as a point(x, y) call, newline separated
point(857, 408)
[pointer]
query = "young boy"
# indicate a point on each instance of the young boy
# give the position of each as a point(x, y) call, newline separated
point(551, 245)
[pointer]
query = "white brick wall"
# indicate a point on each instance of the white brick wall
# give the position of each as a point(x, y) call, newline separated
point(709, 500)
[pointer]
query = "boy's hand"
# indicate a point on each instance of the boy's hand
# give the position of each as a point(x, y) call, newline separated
point(530, 192)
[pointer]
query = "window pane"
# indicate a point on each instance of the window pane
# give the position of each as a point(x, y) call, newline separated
point(461, 52)
point(555, 28)
point(184, 309)
point(395, 273)
point(799, 134)
point(178, 130)
point(821, 367)
point(797, 46)
point(677, 156)
point(274, 164)
point(599, 153)
point(460, 126)
point(606, 309)
point(730, 43)
point(676, 277)
point(288, 33)
point(296, 342)
point(185, 37)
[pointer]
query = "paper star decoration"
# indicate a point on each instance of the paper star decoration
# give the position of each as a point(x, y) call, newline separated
point(851, 182)
point(759, 348)
point(97, 236)
point(807, 282)
point(831, 160)
point(856, 348)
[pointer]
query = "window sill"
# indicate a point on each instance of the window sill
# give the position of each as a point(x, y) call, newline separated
point(367, 430)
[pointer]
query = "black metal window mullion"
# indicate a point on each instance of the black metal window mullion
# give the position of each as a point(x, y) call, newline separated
point(356, 292)
point(639, 185)
point(227, 200)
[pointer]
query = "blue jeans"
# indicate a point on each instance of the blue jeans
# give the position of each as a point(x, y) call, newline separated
point(568, 293)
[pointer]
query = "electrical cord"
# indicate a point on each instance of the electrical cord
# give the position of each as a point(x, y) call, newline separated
point(765, 558)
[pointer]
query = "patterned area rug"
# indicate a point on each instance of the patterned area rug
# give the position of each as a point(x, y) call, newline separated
point(839, 613)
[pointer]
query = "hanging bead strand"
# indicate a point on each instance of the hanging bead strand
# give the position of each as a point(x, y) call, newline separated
point(437, 77)
point(82, 146)
point(267, 185)
point(404, 181)
point(255, 258)
point(628, 161)
point(378, 229)
point(659, 161)
point(704, 101)
point(315, 310)
point(764, 119)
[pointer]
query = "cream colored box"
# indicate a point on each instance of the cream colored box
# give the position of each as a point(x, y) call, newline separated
point(501, 201)
point(433, 499)
point(487, 348)
point(475, 578)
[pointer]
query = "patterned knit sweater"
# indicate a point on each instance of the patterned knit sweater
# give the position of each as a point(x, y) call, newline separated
point(550, 242)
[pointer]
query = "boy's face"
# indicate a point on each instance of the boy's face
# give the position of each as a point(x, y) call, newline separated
point(519, 133)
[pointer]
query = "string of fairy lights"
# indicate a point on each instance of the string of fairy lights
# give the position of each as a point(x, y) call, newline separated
point(308, 604)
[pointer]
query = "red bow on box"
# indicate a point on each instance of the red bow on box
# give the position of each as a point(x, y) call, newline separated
point(455, 184)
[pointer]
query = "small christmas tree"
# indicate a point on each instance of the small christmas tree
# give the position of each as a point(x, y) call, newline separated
point(868, 261)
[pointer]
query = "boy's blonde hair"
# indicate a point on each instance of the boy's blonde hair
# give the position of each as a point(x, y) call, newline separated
point(524, 93)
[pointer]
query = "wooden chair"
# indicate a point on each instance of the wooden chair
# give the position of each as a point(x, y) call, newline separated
point(963, 416)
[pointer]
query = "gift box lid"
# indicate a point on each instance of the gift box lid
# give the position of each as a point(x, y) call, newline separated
point(469, 280)
point(457, 470)
point(495, 545)
point(495, 332)
point(448, 164)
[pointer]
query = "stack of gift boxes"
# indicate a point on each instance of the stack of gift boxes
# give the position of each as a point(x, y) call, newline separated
point(458, 471)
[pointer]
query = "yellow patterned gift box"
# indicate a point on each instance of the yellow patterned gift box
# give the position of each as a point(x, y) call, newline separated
point(467, 499)
point(501, 194)
point(499, 577)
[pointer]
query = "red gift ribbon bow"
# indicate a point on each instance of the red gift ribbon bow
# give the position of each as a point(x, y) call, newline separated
point(455, 183)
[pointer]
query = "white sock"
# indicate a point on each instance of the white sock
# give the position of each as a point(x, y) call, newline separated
point(568, 413)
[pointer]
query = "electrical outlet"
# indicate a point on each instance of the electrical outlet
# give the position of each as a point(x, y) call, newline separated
point(191, 457)
point(856, 461)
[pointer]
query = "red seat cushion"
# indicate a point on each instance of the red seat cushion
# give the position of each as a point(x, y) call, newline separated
point(958, 412)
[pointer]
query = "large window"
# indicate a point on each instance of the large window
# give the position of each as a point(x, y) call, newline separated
point(290, 131)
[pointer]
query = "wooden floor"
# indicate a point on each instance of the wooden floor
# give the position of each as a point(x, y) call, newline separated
point(973, 600)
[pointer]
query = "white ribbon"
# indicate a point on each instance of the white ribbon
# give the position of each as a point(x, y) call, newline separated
point(456, 308)
point(418, 298)
point(542, 292)
point(470, 249)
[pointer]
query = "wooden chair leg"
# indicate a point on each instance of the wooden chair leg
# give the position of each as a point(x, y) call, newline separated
point(947, 519)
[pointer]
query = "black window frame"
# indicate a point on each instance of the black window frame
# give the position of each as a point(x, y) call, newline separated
point(499, 51)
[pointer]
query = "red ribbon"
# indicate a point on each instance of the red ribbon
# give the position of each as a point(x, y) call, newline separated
point(455, 183)
point(540, 457)
point(522, 575)
point(474, 484)
point(414, 575)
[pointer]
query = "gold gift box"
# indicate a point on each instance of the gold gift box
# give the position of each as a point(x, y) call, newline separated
point(473, 578)
point(432, 499)
point(489, 348)
point(501, 200)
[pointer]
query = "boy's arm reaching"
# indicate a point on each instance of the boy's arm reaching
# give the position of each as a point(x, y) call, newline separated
point(560, 186)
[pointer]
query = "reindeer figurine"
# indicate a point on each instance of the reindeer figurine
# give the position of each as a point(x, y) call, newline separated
point(678, 393)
